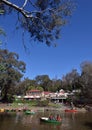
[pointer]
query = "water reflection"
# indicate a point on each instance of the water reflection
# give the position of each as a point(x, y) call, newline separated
point(70, 121)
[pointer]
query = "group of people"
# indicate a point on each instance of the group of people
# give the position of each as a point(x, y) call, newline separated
point(57, 118)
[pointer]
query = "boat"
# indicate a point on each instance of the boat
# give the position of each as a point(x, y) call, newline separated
point(47, 120)
point(70, 110)
point(28, 112)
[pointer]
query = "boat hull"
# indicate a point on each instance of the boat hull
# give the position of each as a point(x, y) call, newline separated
point(70, 110)
point(29, 113)
point(46, 120)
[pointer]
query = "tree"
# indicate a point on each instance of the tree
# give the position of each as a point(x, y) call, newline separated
point(43, 19)
point(11, 74)
point(55, 85)
point(70, 80)
point(22, 86)
point(2, 33)
point(42, 81)
point(86, 79)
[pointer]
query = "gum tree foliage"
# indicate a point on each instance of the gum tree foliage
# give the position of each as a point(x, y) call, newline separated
point(2, 32)
point(22, 87)
point(71, 80)
point(26, 85)
point(43, 81)
point(86, 79)
point(55, 85)
point(42, 19)
point(10, 74)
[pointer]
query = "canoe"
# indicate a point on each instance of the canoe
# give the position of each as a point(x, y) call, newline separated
point(46, 120)
point(70, 110)
point(28, 112)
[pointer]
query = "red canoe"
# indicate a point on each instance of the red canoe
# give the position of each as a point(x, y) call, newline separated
point(70, 110)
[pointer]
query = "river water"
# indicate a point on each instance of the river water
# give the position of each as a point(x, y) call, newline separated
point(70, 121)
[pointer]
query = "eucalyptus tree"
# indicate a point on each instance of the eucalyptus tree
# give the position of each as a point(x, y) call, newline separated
point(11, 73)
point(86, 79)
point(2, 32)
point(42, 19)
point(26, 85)
point(70, 80)
point(56, 85)
point(23, 86)
point(42, 81)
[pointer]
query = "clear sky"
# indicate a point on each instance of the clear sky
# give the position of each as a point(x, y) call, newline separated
point(74, 47)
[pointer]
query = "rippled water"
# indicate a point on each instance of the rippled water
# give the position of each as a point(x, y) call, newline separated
point(70, 121)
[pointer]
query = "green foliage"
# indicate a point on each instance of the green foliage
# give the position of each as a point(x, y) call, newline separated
point(23, 86)
point(86, 79)
point(2, 33)
point(51, 104)
point(70, 80)
point(40, 88)
point(2, 67)
point(31, 87)
point(43, 103)
point(43, 19)
point(1, 12)
point(42, 81)
point(25, 102)
point(34, 87)
point(11, 71)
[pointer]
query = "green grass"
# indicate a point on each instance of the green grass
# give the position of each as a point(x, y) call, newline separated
point(30, 103)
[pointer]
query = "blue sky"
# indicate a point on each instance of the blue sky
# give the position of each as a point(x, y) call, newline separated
point(74, 47)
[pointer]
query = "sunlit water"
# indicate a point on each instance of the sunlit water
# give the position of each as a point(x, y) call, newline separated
point(70, 121)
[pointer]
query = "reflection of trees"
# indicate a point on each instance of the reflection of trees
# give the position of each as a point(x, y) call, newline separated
point(27, 119)
point(18, 116)
point(67, 119)
point(24, 119)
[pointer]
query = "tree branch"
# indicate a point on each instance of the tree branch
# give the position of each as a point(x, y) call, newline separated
point(26, 14)
point(32, 4)
point(25, 3)
point(21, 10)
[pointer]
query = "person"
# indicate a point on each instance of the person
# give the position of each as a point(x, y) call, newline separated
point(51, 117)
point(58, 118)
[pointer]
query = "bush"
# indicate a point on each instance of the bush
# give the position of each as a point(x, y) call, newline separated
point(43, 103)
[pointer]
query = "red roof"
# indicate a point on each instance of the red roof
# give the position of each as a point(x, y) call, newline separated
point(34, 90)
point(46, 92)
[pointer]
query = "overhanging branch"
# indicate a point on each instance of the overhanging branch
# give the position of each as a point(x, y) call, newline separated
point(25, 13)
point(21, 10)
point(25, 3)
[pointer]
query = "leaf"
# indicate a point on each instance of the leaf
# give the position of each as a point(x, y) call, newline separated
point(2, 32)
point(2, 11)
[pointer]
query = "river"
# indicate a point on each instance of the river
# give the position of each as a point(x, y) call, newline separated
point(70, 121)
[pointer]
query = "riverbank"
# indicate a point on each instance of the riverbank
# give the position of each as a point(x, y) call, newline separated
point(21, 107)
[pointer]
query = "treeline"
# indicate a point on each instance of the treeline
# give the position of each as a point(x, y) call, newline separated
point(11, 73)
